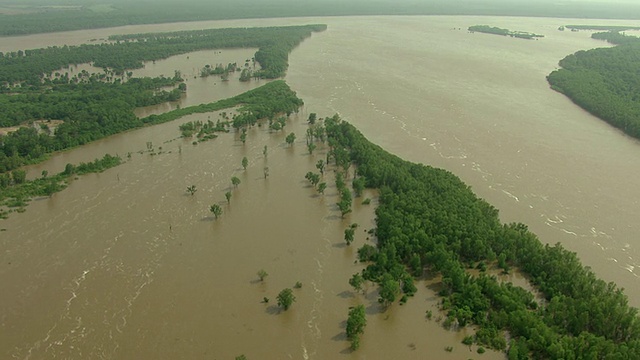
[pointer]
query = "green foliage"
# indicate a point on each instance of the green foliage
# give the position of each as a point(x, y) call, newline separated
point(203, 131)
point(428, 217)
point(358, 185)
point(298, 285)
point(245, 162)
point(94, 106)
point(349, 233)
point(322, 187)
point(216, 210)
point(468, 340)
point(504, 32)
point(356, 281)
point(235, 181)
point(604, 81)
point(313, 178)
point(262, 274)
point(355, 325)
point(120, 13)
point(286, 298)
point(191, 189)
point(290, 138)
point(311, 147)
point(320, 166)
point(227, 195)
point(17, 194)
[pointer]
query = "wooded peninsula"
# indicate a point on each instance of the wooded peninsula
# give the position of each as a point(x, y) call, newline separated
point(427, 221)
point(604, 81)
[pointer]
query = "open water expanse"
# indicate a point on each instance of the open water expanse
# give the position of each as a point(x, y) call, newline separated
point(124, 264)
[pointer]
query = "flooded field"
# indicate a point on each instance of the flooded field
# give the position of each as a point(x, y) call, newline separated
point(126, 264)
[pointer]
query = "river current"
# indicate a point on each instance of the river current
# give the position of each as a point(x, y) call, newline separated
point(125, 264)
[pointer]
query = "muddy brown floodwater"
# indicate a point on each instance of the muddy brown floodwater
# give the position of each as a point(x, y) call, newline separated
point(124, 264)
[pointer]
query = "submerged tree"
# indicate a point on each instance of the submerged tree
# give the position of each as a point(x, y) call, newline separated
point(245, 162)
point(349, 233)
point(356, 281)
point(216, 210)
point(235, 181)
point(355, 325)
point(191, 189)
point(322, 187)
point(262, 274)
point(290, 138)
point(228, 196)
point(320, 166)
point(286, 298)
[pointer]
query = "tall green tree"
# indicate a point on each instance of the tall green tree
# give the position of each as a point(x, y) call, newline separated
point(355, 325)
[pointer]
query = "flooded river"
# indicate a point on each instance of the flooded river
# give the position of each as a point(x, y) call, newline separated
point(125, 264)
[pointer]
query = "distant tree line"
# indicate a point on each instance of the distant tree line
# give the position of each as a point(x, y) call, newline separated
point(102, 14)
point(503, 32)
point(428, 220)
point(605, 81)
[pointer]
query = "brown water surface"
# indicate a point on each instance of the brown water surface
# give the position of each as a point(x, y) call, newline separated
point(124, 264)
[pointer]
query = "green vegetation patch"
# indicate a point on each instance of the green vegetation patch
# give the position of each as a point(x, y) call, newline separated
point(16, 191)
point(93, 106)
point(429, 220)
point(605, 81)
point(503, 32)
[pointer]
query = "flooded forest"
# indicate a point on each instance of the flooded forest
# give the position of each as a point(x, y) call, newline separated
point(312, 188)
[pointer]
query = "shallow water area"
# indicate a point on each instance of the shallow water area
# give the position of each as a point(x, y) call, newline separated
point(126, 264)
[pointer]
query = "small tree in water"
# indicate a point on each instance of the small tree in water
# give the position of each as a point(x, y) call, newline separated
point(262, 274)
point(235, 181)
point(191, 189)
point(216, 210)
point(286, 298)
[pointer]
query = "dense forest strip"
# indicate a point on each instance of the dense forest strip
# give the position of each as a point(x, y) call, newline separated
point(503, 32)
point(28, 144)
point(42, 17)
point(615, 37)
point(33, 66)
point(603, 27)
point(16, 191)
point(265, 102)
point(93, 106)
point(429, 221)
point(605, 82)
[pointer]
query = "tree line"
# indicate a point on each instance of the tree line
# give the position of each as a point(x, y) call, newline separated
point(92, 15)
point(429, 221)
point(93, 106)
point(16, 191)
point(605, 81)
point(130, 51)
